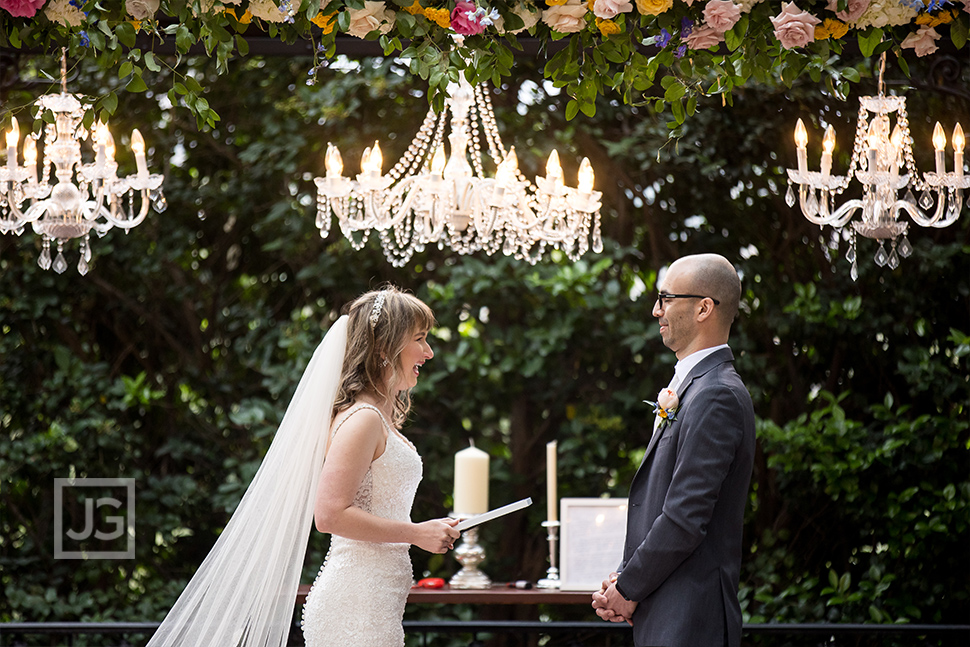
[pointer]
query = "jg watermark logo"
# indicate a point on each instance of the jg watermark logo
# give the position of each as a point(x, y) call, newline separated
point(94, 518)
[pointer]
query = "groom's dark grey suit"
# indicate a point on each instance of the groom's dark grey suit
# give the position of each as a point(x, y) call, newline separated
point(682, 556)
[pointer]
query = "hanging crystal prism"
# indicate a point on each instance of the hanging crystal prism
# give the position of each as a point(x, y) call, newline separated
point(854, 272)
point(893, 261)
point(905, 249)
point(811, 206)
point(881, 257)
point(790, 196)
point(44, 260)
point(926, 199)
point(60, 263)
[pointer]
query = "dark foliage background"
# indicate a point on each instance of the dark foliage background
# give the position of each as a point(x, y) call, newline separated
point(172, 361)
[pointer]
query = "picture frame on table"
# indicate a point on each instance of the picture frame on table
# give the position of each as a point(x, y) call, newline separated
point(592, 533)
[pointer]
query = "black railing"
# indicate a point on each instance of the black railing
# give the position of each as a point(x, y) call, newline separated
point(473, 633)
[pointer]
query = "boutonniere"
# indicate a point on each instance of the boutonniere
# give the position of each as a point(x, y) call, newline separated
point(666, 406)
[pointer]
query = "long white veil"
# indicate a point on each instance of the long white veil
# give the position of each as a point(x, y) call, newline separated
point(244, 593)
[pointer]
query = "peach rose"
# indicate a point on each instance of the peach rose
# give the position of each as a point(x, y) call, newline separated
point(704, 37)
point(609, 9)
point(722, 15)
point(566, 18)
point(923, 41)
point(794, 27)
point(667, 400)
point(373, 16)
point(854, 9)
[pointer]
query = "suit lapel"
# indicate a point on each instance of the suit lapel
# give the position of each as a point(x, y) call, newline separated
point(705, 365)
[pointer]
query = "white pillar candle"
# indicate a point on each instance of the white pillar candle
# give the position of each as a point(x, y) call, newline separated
point(471, 481)
point(552, 497)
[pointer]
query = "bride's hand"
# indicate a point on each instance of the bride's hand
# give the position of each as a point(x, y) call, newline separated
point(436, 535)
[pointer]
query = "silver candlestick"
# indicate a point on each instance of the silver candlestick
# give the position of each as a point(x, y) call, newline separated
point(551, 580)
point(470, 554)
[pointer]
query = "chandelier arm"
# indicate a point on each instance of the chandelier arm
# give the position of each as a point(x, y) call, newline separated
point(839, 218)
point(920, 218)
point(128, 223)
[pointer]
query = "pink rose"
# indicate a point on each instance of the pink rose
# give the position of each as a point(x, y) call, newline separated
point(854, 9)
point(794, 27)
point(722, 14)
point(923, 41)
point(704, 37)
point(464, 19)
point(667, 400)
point(610, 9)
point(22, 8)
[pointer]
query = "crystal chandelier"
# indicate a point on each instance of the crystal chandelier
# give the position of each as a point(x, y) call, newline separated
point(882, 161)
point(429, 198)
point(81, 196)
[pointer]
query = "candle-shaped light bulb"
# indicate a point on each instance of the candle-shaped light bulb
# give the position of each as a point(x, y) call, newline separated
point(333, 161)
point(13, 135)
point(801, 141)
point(30, 157)
point(138, 148)
point(939, 144)
point(958, 143)
point(586, 176)
point(376, 158)
point(13, 138)
point(438, 161)
point(828, 145)
point(109, 146)
point(100, 142)
point(505, 174)
point(939, 138)
point(801, 135)
point(554, 168)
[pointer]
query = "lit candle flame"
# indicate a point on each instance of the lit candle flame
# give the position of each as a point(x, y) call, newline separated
point(13, 135)
point(958, 139)
point(333, 161)
point(801, 135)
point(828, 142)
point(586, 176)
point(438, 160)
point(939, 137)
point(553, 167)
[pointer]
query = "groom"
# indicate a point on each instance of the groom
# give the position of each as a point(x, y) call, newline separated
point(678, 581)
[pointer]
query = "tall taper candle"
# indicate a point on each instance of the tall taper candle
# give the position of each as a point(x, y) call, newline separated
point(471, 481)
point(552, 497)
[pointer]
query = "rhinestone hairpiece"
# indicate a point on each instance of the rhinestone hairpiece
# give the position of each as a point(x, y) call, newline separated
point(375, 312)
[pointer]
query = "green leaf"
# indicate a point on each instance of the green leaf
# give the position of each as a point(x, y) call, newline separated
point(958, 31)
point(151, 63)
point(125, 69)
point(851, 74)
point(242, 45)
point(125, 32)
point(869, 40)
point(572, 109)
point(109, 102)
point(136, 84)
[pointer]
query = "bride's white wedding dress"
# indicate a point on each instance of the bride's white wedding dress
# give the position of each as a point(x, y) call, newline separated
point(358, 597)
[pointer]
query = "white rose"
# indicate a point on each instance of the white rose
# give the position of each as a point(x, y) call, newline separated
point(373, 16)
point(528, 14)
point(141, 9)
point(667, 400)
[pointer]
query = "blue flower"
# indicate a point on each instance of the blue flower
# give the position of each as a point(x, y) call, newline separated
point(85, 41)
point(681, 51)
point(664, 38)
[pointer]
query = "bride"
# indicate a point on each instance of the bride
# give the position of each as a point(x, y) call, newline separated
point(348, 407)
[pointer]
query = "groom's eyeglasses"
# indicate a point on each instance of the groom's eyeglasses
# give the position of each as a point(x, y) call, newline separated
point(663, 298)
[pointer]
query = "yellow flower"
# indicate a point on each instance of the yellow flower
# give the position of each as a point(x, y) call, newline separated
point(654, 7)
point(442, 17)
point(136, 24)
point(831, 28)
point(245, 19)
point(556, 3)
point(607, 27)
point(415, 8)
point(325, 22)
point(943, 18)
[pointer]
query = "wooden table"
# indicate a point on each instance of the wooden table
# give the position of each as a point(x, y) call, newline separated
point(498, 594)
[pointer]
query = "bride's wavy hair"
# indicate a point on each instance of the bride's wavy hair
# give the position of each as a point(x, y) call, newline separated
point(376, 334)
